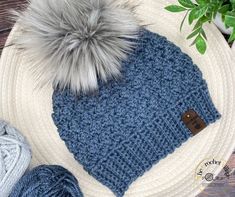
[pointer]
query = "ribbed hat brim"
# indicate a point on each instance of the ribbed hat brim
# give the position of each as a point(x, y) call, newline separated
point(29, 109)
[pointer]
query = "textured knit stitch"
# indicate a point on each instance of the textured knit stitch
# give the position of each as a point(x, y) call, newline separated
point(130, 124)
point(15, 156)
point(47, 181)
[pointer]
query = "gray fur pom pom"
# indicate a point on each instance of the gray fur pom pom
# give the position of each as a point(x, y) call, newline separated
point(74, 43)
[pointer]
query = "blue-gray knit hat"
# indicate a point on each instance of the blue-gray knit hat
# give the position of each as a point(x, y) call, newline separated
point(130, 124)
point(158, 100)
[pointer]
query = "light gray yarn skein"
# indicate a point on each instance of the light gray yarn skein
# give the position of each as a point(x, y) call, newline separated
point(15, 157)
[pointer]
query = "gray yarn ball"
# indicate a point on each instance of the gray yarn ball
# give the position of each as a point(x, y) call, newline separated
point(15, 157)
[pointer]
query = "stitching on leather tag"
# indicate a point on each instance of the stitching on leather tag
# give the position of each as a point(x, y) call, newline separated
point(193, 121)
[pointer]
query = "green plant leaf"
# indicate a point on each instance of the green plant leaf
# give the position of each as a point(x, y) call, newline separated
point(197, 12)
point(175, 8)
point(191, 16)
point(182, 22)
point(233, 3)
point(187, 3)
point(203, 34)
point(210, 16)
point(214, 6)
point(194, 33)
point(200, 44)
point(201, 2)
point(230, 19)
point(232, 36)
point(197, 25)
point(200, 22)
point(224, 9)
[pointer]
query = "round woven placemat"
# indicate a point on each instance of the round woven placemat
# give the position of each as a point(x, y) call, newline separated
point(29, 109)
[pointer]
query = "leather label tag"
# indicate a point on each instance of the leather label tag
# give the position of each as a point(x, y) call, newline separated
point(193, 121)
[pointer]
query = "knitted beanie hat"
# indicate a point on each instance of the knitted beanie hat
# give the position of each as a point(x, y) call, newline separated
point(124, 97)
point(131, 124)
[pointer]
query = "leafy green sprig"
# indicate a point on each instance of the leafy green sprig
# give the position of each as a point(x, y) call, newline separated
point(203, 11)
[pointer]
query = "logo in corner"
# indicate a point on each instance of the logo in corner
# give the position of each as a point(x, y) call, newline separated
point(212, 170)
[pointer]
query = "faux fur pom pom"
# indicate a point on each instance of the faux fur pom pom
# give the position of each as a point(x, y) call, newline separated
point(73, 43)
